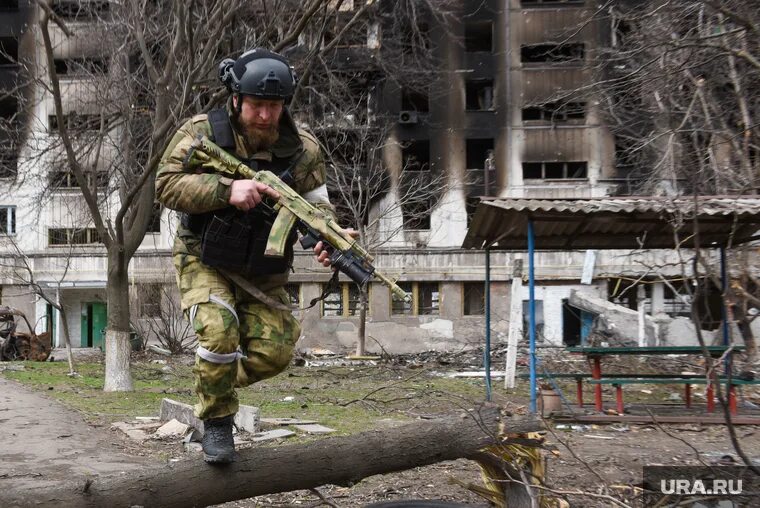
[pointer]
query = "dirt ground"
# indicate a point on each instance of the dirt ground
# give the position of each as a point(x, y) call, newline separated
point(45, 442)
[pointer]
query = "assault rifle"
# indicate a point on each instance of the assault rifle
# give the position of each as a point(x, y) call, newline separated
point(292, 210)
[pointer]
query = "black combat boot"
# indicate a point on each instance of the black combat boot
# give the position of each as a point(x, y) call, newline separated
point(218, 446)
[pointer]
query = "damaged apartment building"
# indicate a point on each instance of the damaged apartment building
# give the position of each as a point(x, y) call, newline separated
point(488, 123)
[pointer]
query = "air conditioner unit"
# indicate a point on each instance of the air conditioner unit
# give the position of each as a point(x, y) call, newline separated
point(407, 117)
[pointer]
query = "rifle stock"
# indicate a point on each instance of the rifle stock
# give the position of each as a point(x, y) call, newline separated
point(293, 210)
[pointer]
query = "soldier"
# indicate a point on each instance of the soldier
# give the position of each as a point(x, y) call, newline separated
point(242, 339)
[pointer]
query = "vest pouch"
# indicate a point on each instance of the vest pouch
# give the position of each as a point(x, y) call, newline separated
point(225, 240)
point(258, 263)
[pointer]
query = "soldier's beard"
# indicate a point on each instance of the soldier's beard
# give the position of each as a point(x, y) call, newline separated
point(259, 139)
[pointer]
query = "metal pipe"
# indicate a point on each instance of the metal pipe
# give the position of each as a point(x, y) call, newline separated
point(723, 308)
point(487, 351)
point(532, 315)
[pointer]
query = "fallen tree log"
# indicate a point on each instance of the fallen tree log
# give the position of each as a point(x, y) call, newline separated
point(267, 470)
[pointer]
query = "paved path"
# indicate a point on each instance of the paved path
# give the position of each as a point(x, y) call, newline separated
point(42, 442)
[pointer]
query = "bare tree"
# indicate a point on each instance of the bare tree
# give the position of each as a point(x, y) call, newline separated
point(154, 69)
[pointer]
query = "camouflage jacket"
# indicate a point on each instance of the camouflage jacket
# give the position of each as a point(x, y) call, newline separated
point(197, 190)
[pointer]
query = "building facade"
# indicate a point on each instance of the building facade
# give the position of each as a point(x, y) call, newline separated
point(500, 119)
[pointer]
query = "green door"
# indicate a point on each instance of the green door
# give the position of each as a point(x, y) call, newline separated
point(50, 319)
point(99, 323)
point(94, 321)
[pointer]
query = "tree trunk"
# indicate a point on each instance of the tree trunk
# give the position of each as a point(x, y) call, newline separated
point(118, 347)
point(258, 471)
point(361, 340)
point(66, 337)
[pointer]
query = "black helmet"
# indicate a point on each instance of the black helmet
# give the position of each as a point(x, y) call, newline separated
point(260, 73)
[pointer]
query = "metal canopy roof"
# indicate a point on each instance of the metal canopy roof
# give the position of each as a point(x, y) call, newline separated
point(613, 222)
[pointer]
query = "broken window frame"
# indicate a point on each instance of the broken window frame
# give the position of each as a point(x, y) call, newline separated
point(419, 292)
point(476, 291)
point(565, 169)
point(72, 10)
point(9, 52)
point(344, 303)
point(473, 99)
point(62, 237)
point(417, 214)
point(550, 57)
point(470, 148)
point(553, 112)
point(80, 122)
point(8, 220)
point(82, 67)
point(64, 180)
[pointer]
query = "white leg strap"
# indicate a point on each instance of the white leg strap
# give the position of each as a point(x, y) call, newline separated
point(213, 298)
point(212, 357)
point(217, 300)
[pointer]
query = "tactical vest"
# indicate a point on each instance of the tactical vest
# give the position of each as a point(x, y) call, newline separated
point(233, 239)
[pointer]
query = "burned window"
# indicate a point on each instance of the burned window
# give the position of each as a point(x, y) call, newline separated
point(8, 161)
point(73, 236)
point(478, 151)
point(555, 170)
point(416, 213)
point(78, 10)
point(8, 107)
point(63, 179)
point(414, 100)
point(7, 220)
point(77, 122)
point(415, 155)
point(555, 112)
point(473, 298)
point(552, 53)
point(149, 298)
point(479, 95)
point(80, 66)
point(8, 51)
point(154, 226)
point(478, 37)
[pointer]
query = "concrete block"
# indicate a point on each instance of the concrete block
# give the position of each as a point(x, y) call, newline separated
point(173, 428)
point(273, 434)
point(173, 410)
point(314, 429)
point(280, 422)
point(134, 433)
point(247, 419)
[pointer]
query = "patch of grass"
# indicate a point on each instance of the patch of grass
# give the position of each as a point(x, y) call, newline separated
point(348, 399)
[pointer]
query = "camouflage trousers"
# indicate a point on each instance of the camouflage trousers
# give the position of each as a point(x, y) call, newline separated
point(227, 320)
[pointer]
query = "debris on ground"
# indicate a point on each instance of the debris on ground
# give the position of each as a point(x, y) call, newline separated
point(15, 345)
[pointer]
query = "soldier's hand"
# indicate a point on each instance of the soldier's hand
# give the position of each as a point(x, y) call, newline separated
point(323, 257)
point(246, 194)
